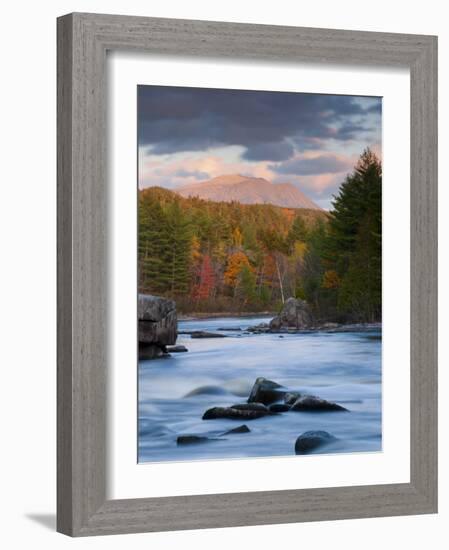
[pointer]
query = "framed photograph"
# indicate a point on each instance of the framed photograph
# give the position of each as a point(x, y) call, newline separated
point(247, 248)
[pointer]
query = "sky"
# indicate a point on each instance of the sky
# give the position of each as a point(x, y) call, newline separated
point(189, 135)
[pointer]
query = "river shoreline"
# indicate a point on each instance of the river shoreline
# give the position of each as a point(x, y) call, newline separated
point(225, 315)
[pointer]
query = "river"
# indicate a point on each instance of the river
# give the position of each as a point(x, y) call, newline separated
point(340, 367)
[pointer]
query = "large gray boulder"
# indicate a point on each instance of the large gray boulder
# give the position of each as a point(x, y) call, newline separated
point(157, 325)
point(295, 314)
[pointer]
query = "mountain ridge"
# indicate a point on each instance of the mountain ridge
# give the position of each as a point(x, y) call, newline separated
point(248, 190)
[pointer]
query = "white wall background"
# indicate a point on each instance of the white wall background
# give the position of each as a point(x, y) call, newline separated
point(27, 289)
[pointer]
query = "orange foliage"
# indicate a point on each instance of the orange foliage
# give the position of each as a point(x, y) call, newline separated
point(330, 279)
point(236, 262)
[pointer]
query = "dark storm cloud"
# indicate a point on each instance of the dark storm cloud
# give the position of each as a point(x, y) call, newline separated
point(277, 151)
point(323, 164)
point(266, 124)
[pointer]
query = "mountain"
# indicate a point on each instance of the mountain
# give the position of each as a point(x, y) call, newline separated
point(248, 190)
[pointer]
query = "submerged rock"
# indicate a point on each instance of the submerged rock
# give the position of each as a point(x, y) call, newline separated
point(310, 403)
point(193, 439)
point(260, 328)
point(207, 390)
point(177, 349)
point(149, 428)
point(230, 329)
point(204, 334)
point(295, 314)
point(265, 391)
point(237, 412)
point(243, 429)
point(151, 351)
point(279, 408)
point(309, 441)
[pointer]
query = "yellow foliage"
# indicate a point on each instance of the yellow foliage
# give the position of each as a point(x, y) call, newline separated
point(299, 249)
point(330, 279)
point(195, 249)
point(235, 264)
point(237, 237)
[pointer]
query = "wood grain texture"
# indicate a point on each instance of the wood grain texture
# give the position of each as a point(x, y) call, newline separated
point(83, 40)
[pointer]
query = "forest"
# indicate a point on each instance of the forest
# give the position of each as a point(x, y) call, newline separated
point(227, 257)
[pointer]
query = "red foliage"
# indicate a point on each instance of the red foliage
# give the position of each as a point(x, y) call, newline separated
point(206, 282)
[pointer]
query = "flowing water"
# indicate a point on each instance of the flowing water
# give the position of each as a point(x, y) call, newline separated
point(340, 367)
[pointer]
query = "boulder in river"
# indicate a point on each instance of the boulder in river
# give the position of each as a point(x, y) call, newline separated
point(177, 349)
point(151, 351)
point(193, 439)
point(244, 411)
point(265, 391)
point(204, 334)
point(309, 441)
point(157, 325)
point(207, 390)
point(279, 408)
point(260, 328)
point(243, 429)
point(295, 314)
point(311, 403)
point(290, 397)
point(250, 407)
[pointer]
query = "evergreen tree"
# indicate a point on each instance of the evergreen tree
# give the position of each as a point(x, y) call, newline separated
point(179, 250)
point(154, 242)
point(298, 232)
point(354, 245)
point(246, 287)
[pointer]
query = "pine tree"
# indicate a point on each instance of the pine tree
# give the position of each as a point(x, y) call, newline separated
point(354, 246)
point(298, 232)
point(179, 250)
point(246, 286)
point(154, 242)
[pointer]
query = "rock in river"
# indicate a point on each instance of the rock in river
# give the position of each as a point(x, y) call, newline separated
point(290, 397)
point(157, 325)
point(309, 441)
point(265, 391)
point(250, 407)
point(193, 439)
point(207, 390)
point(177, 349)
point(310, 403)
point(204, 334)
point(295, 314)
point(279, 408)
point(244, 411)
point(260, 328)
point(243, 429)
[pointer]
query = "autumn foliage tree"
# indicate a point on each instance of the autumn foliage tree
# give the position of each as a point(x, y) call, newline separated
point(236, 262)
point(227, 256)
point(206, 284)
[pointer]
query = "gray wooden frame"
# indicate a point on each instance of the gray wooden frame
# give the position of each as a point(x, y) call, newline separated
point(83, 40)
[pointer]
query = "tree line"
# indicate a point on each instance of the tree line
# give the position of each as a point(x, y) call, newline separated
point(231, 257)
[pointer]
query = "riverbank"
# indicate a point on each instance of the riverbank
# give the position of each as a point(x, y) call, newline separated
point(224, 314)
